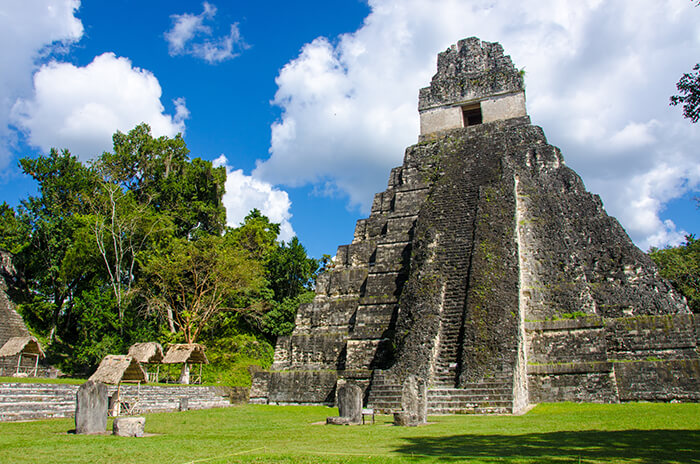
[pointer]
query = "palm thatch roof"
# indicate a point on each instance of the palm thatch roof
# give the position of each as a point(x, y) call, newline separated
point(24, 345)
point(116, 368)
point(186, 353)
point(147, 353)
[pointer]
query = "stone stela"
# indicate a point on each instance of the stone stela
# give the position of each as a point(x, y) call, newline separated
point(489, 273)
point(91, 408)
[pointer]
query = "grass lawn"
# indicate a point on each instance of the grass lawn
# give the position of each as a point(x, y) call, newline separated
point(550, 433)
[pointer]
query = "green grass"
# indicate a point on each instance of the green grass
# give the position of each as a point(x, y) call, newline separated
point(551, 433)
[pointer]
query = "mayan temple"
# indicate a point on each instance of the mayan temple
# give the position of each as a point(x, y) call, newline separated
point(11, 323)
point(488, 271)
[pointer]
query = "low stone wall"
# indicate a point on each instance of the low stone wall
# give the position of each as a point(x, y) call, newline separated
point(658, 380)
point(323, 351)
point(294, 387)
point(34, 401)
point(592, 382)
point(643, 337)
point(591, 359)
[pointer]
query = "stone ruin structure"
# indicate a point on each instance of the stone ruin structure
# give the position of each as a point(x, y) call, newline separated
point(11, 323)
point(488, 271)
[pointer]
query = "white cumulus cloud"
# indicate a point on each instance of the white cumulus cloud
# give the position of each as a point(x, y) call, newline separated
point(190, 35)
point(599, 74)
point(244, 193)
point(79, 108)
point(29, 29)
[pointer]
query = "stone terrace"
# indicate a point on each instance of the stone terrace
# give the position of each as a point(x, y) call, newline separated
point(33, 401)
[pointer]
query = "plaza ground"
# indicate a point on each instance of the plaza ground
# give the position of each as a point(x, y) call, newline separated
point(550, 433)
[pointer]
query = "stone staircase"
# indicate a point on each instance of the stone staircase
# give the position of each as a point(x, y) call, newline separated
point(27, 401)
point(446, 364)
point(384, 396)
point(490, 396)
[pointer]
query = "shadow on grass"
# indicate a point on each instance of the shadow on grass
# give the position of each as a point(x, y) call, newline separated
point(638, 446)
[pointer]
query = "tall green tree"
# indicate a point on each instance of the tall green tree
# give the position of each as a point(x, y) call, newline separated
point(159, 172)
point(51, 219)
point(192, 281)
point(257, 235)
point(122, 229)
point(290, 271)
point(14, 233)
point(681, 266)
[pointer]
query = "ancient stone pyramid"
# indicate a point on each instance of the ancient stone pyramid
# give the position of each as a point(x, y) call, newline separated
point(487, 270)
point(11, 323)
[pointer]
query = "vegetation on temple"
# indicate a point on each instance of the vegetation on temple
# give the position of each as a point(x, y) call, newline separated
point(134, 247)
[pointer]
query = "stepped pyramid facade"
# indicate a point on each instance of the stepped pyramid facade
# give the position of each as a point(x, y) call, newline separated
point(11, 323)
point(487, 270)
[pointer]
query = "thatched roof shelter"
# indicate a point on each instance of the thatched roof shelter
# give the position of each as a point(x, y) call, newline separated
point(21, 345)
point(147, 353)
point(192, 353)
point(117, 368)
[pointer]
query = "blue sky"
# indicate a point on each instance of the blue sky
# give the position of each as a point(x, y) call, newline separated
point(309, 104)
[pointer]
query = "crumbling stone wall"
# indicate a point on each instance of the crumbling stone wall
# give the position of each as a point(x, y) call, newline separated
point(476, 75)
point(649, 358)
point(470, 70)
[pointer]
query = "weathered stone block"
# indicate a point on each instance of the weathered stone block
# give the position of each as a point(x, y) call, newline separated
point(665, 337)
point(567, 345)
point(658, 380)
point(91, 408)
point(347, 281)
point(260, 387)
point(349, 405)
point(400, 229)
point(374, 321)
point(409, 201)
point(588, 387)
point(503, 107)
point(322, 350)
point(303, 387)
point(332, 315)
point(367, 354)
point(283, 352)
point(386, 286)
point(414, 403)
point(341, 256)
point(391, 257)
point(129, 426)
point(360, 252)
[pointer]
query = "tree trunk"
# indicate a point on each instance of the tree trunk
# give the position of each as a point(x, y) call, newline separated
point(171, 321)
point(185, 375)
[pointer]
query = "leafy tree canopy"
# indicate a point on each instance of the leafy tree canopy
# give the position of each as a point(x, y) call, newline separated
point(132, 247)
point(681, 266)
point(159, 172)
point(689, 94)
